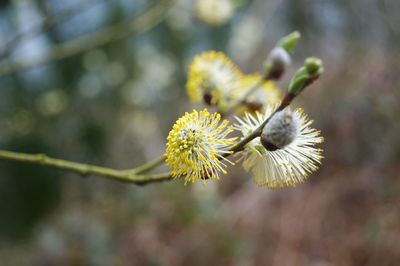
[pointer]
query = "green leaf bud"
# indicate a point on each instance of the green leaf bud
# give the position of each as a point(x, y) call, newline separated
point(311, 70)
point(289, 42)
point(314, 66)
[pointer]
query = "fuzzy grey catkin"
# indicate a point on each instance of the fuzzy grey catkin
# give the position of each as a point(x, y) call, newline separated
point(280, 131)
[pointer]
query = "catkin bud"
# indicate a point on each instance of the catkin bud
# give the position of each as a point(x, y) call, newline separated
point(277, 62)
point(280, 131)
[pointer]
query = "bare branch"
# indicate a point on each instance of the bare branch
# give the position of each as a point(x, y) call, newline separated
point(84, 169)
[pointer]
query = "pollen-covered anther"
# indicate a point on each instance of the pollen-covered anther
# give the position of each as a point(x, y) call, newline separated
point(280, 131)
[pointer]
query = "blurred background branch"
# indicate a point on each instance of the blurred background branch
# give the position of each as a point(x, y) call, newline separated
point(142, 23)
point(46, 24)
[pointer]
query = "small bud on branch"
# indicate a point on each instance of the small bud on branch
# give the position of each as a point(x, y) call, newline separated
point(289, 42)
point(307, 74)
point(276, 63)
point(279, 58)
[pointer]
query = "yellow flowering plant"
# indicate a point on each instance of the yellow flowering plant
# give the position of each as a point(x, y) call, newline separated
point(276, 145)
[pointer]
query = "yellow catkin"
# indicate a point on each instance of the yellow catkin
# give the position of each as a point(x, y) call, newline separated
point(214, 73)
point(267, 94)
point(196, 146)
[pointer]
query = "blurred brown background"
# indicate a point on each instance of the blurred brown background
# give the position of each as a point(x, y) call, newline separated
point(111, 97)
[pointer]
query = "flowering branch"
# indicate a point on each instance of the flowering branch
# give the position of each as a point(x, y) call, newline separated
point(304, 77)
point(197, 145)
